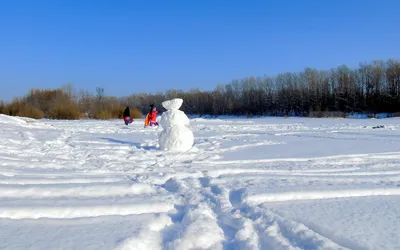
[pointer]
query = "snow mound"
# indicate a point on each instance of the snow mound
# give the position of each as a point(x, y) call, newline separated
point(21, 121)
point(6, 119)
point(173, 104)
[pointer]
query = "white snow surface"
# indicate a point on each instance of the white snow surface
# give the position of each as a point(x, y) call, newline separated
point(265, 183)
point(176, 135)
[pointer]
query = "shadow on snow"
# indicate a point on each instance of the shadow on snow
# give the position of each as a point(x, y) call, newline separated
point(136, 144)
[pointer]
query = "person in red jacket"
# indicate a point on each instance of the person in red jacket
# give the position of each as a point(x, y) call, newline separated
point(152, 116)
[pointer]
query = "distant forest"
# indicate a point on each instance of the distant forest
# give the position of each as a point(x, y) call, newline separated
point(369, 89)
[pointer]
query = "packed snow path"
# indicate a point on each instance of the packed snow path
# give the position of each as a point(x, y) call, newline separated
point(269, 183)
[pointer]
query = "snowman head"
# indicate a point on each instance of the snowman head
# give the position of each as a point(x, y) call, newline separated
point(173, 104)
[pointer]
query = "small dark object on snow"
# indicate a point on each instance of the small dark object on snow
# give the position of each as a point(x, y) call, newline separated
point(379, 126)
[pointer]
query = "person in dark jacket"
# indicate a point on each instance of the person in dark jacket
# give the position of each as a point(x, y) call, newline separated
point(127, 116)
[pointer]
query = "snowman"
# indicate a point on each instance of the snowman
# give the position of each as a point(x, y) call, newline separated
point(176, 135)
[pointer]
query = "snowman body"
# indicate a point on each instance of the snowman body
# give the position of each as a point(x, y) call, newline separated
point(176, 135)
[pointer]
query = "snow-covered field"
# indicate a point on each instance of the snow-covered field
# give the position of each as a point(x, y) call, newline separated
point(268, 183)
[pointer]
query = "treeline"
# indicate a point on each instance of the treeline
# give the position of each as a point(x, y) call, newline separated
point(371, 88)
point(67, 103)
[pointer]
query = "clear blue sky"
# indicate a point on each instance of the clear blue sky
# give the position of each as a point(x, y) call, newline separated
point(130, 46)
